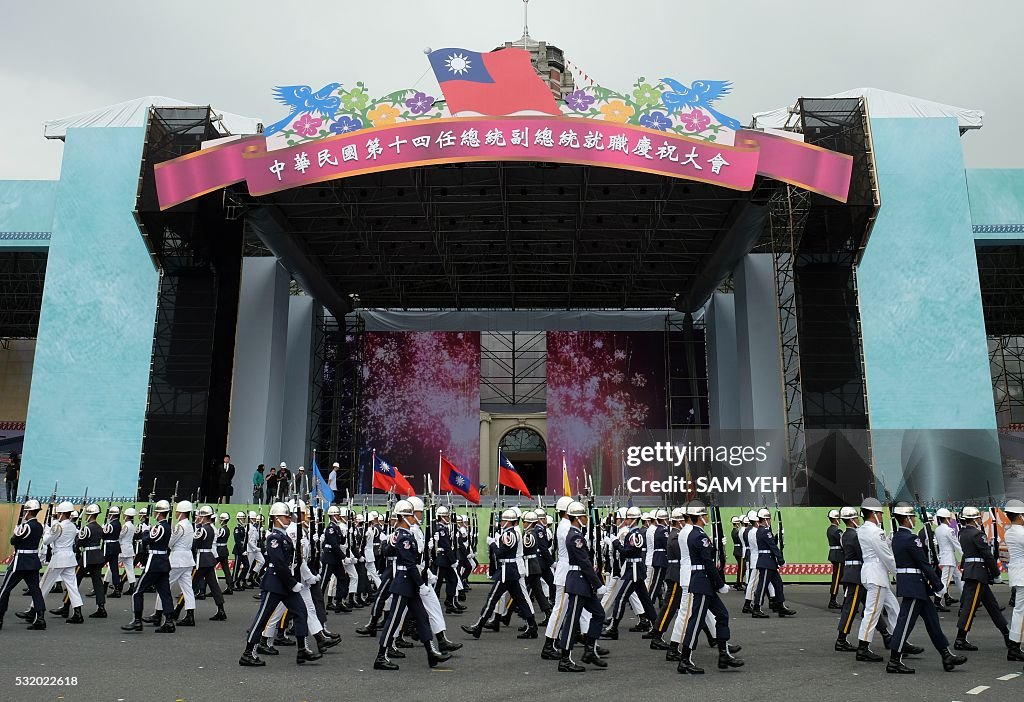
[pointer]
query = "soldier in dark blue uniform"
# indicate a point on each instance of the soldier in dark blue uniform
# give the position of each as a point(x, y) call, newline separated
point(659, 559)
point(916, 583)
point(506, 579)
point(834, 536)
point(388, 558)
point(445, 559)
point(706, 584)
point(206, 560)
point(979, 569)
point(737, 550)
point(769, 560)
point(633, 576)
point(534, 542)
point(280, 584)
point(406, 589)
point(25, 566)
point(671, 604)
point(112, 548)
point(90, 544)
point(585, 590)
point(331, 556)
point(241, 536)
point(223, 534)
point(156, 572)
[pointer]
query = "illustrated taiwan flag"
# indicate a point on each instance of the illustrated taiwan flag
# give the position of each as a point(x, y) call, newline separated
point(500, 82)
point(387, 476)
point(454, 481)
point(509, 476)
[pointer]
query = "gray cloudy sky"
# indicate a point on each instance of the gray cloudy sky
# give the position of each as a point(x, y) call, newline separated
point(66, 56)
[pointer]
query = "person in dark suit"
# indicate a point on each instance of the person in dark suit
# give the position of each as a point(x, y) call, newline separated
point(225, 475)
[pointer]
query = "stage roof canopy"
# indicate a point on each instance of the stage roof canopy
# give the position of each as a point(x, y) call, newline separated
point(133, 113)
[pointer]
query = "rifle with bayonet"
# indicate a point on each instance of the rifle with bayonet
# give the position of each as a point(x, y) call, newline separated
point(993, 514)
point(891, 504)
point(782, 528)
point(719, 535)
point(933, 554)
point(21, 509)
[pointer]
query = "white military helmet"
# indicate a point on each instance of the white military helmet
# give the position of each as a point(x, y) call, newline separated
point(633, 513)
point(530, 517)
point(970, 512)
point(205, 511)
point(678, 514)
point(113, 509)
point(335, 465)
point(550, 520)
point(903, 509)
point(74, 514)
point(562, 504)
point(833, 514)
point(647, 516)
point(752, 515)
point(130, 512)
point(661, 514)
point(333, 511)
point(519, 512)
point(620, 513)
point(373, 515)
point(541, 514)
point(848, 513)
point(301, 505)
point(92, 509)
point(64, 508)
point(343, 512)
point(443, 511)
point(162, 506)
point(1014, 507)
point(254, 515)
point(184, 506)
point(943, 513)
point(735, 520)
point(225, 516)
point(278, 509)
point(696, 508)
point(359, 518)
point(417, 503)
point(143, 512)
point(509, 515)
point(31, 505)
point(576, 509)
point(745, 520)
point(763, 513)
point(240, 515)
point(460, 518)
point(871, 504)
point(283, 465)
point(403, 508)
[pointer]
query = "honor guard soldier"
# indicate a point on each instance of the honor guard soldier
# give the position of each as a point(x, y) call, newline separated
point(279, 585)
point(331, 557)
point(388, 558)
point(112, 548)
point(221, 539)
point(749, 536)
point(141, 547)
point(239, 540)
point(155, 573)
point(949, 555)
point(553, 628)
point(60, 537)
point(533, 544)
point(835, 557)
point(1014, 544)
point(584, 590)
point(979, 569)
point(769, 560)
point(737, 550)
point(255, 538)
point(670, 608)
point(90, 544)
point(126, 542)
point(25, 565)
point(632, 576)
point(406, 589)
point(916, 582)
point(853, 597)
point(658, 547)
point(183, 562)
point(506, 579)
point(446, 559)
point(706, 587)
point(206, 554)
point(876, 572)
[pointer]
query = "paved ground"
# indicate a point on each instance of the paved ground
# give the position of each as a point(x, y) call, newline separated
point(790, 659)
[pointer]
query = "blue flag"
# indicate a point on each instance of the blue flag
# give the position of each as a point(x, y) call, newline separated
point(320, 488)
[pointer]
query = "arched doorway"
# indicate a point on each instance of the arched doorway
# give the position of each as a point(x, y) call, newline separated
point(527, 451)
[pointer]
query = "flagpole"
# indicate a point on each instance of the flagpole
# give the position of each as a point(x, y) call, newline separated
point(439, 454)
point(373, 464)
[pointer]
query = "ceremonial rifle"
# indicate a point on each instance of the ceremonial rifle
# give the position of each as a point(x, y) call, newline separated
point(891, 505)
point(993, 514)
point(782, 529)
point(719, 533)
point(933, 554)
point(49, 517)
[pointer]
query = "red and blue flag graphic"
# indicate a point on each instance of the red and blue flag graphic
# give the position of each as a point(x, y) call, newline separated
point(453, 480)
point(387, 476)
point(499, 82)
point(509, 476)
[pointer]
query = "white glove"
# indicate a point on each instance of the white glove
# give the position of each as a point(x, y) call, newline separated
point(724, 589)
point(425, 590)
point(350, 561)
point(941, 592)
point(297, 587)
point(490, 541)
point(602, 591)
point(431, 579)
point(607, 541)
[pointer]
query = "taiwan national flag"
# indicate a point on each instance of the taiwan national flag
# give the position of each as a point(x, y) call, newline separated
point(454, 481)
point(387, 476)
point(500, 82)
point(509, 476)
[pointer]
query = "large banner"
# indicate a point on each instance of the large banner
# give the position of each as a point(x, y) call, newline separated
point(421, 395)
point(606, 391)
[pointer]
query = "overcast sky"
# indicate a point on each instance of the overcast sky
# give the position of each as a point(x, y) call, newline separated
point(66, 56)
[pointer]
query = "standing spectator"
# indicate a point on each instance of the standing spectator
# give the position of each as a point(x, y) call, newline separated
point(13, 473)
point(225, 475)
point(332, 482)
point(257, 485)
point(301, 485)
point(271, 481)
point(284, 481)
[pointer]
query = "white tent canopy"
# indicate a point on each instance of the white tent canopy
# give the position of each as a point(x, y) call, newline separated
point(881, 103)
point(133, 114)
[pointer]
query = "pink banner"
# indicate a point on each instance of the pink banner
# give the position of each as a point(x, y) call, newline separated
point(542, 139)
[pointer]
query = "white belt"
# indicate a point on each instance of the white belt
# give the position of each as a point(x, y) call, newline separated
point(158, 553)
point(29, 551)
point(835, 548)
point(574, 567)
point(675, 561)
point(908, 571)
point(508, 560)
point(696, 567)
point(632, 560)
point(206, 550)
point(974, 560)
point(852, 563)
point(658, 549)
point(534, 555)
point(91, 548)
point(401, 568)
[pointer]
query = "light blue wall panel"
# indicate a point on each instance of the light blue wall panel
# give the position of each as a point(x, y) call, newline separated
point(26, 214)
point(90, 379)
point(295, 446)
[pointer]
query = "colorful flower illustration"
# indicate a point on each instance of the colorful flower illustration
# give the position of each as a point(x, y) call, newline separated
point(345, 124)
point(579, 101)
point(355, 100)
point(656, 120)
point(616, 111)
point(382, 115)
point(695, 121)
point(646, 95)
point(307, 125)
point(419, 103)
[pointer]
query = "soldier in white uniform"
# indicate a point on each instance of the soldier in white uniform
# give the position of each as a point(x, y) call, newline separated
point(61, 539)
point(949, 555)
point(875, 575)
point(127, 543)
point(252, 548)
point(370, 543)
point(1013, 542)
point(182, 562)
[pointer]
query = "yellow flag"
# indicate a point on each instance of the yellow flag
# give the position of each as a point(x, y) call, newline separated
point(566, 490)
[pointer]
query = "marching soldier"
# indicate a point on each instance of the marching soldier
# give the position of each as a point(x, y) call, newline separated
point(879, 566)
point(1014, 541)
point(331, 557)
point(126, 544)
point(632, 576)
point(949, 555)
point(533, 545)
point(406, 589)
point(388, 557)
point(254, 539)
point(584, 591)
point(737, 549)
point(221, 546)
point(61, 539)
point(141, 546)
point(25, 566)
point(90, 543)
point(446, 560)
point(916, 581)
point(658, 547)
point(979, 569)
point(240, 537)
point(854, 596)
point(182, 562)
point(431, 603)
point(749, 536)
point(155, 573)
point(671, 605)
point(769, 560)
point(206, 554)
point(112, 548)
point(835, 556)
point(561, 569)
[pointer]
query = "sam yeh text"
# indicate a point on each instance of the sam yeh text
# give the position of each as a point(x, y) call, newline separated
point(764, 484)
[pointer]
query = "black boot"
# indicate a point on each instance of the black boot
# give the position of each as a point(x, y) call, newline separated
point(400, 642)
point(76, 617)
point(368, 630)
point(445, 644)
point(832, 604)
point(895, 664)
point(659, 644)
point(1014, 653)
point(843, 645)
point(673, 654)
point(939, 606)
point(249, 659)
point(962, 644)
point(611, 633)
point(531, 630)
point(115, 593)
point(382, 662)
point(643, 625)
point(493, 625)
point(725, 658)
point(63, 611)
point(189, 620)
point(325, 643)
point(28, 615)
point(281, 640)
point(134, 625)
point(756, 613)
point(266, 647)
point(566, 664)
point(100, 613)
point(450, 607)
point(395, 654)
point(910, 649)
point(548, 652)
point(784, 611)
point(950, 660)
point(167, 627)
point(746, 607)
point(590, 657)
point(220, 616)
point(866, 655)
point(303, 654)
point(435, 657)
point(473, 631)
point(686, 665)
point(154, 618)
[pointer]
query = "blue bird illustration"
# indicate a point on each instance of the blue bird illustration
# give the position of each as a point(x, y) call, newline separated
point(701, 94)
point(300, 99)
